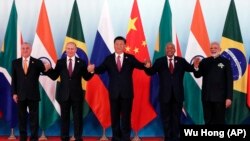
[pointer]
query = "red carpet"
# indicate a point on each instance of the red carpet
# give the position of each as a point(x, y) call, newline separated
point(5, 138)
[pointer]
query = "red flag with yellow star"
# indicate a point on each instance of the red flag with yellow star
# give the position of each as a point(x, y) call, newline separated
point(142, 112)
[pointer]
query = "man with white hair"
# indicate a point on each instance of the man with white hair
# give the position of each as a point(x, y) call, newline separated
point(217, 87)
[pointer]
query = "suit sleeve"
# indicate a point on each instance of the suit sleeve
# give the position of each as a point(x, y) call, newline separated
point(40, 66)
point(188, 67)
point(229, 81)
point(137, 64)
point(152, 70)
point(102, 67)
point(13, 79)
point(54, 73)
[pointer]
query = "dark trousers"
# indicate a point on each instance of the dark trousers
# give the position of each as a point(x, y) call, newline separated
point(214, 112)
point(121, 118)
point(170, 114)
point(33, 118)
point(77, 109)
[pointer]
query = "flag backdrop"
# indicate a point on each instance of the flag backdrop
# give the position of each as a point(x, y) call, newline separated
point(198, 45)
point(97, 94)
point(233, 49)
point(75, 34)
point(142, 111)
point(44, 49)
point(248, 85)
point(11, 46)
point(164, 36)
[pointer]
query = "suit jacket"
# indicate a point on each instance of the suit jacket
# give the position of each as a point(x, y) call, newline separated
point(217, 84)
point(26, 86)
point(120, 83)
point(70, 87)
point(171, 85)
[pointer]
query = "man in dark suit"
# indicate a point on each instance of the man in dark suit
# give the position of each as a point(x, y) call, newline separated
point(120, 66)
point(217, 85)
point(170, 70)
point(25, 89)
point(71, 71)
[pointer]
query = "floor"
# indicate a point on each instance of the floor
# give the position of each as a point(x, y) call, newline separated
point(5, 138)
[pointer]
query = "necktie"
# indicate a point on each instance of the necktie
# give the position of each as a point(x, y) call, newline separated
point(171, 66)
point(118, 63)
point(70, 67)
point(25, 66)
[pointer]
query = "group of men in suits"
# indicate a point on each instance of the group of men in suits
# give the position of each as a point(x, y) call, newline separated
point(119, 66)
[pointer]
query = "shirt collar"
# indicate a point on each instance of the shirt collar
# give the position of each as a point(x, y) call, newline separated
point(72, 58)
point(121, 55)
point(28, 58)
point(170, 58)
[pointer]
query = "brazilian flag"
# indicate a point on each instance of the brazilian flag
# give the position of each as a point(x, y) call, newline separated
point(233, 49)
point(75, 34)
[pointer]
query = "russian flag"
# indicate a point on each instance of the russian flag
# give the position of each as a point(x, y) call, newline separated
point(97, 94)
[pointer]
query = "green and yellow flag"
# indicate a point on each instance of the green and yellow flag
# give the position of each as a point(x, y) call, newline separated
point(75, 34)
point(233, 49)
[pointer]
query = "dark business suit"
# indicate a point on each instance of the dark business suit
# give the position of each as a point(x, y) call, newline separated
point(216, 88)
point(26, 86)
point(70, 94)
point(120, 93)
point(171, 93)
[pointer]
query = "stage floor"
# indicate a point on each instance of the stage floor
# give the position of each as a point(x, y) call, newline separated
point(5, 138)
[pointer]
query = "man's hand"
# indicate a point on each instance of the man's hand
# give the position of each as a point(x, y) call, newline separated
point(47, 66)
point(147, 63)
point(15, 98)
point(197, 61)
point(228, 103)
point(91, 68)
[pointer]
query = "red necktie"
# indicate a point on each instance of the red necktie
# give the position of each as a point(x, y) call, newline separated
point(118, 63)
point(171, 66)
point(70, 67)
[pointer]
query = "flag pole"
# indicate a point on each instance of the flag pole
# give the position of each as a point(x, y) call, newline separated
point(12, 136)
point(43, 137)
point(104, 137)
point(136, 137)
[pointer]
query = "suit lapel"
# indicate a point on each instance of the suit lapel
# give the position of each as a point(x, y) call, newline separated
point(176, 64)
point(114, 62)
point(125, 61)
point(20, 65)
point(77, 61)
point(65, 65)
point(31, 62)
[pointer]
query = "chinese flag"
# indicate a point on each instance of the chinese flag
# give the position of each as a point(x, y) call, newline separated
point(142, 111)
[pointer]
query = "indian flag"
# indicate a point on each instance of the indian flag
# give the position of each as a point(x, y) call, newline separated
point(198, 45)
point(44, 49)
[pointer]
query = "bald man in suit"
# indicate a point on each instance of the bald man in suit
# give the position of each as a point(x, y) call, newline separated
point(170, 69)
